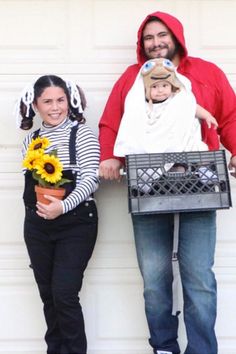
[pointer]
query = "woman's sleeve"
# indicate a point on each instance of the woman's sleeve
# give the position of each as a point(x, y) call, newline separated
point(88, 156)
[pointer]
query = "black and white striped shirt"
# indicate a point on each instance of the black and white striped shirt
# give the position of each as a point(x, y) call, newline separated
point(87, 158)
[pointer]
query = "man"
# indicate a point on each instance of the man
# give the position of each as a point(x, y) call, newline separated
point(161, 35)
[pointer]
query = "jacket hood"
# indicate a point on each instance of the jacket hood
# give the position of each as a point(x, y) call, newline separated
point(174, 25)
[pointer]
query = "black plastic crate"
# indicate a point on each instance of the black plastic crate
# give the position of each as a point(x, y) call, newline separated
point(177, 182)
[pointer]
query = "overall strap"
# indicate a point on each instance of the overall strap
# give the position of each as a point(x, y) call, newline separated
point(72, 144)
point(36, 133)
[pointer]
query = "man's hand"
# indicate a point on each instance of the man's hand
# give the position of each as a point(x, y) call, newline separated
point(232, 166)
point(110, 169)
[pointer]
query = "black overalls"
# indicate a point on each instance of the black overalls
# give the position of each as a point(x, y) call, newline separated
point(59, 251)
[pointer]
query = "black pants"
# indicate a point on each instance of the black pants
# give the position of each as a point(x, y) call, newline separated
point(59, 252)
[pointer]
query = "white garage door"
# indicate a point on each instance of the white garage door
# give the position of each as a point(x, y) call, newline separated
point(92, 42)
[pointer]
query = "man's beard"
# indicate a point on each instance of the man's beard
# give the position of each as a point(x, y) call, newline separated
point(170, 53)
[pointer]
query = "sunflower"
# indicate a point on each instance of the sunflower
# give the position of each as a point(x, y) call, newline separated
point(46, 169)
point(49, 168)
point(38, 143)
point(31, 159)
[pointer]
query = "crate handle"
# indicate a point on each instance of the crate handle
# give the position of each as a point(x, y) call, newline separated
point(122, 172)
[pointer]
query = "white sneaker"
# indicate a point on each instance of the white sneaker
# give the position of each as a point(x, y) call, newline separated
point(161, 352)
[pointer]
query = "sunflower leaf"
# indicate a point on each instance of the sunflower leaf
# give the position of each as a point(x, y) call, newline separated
point(62, 181)
point(53, 152)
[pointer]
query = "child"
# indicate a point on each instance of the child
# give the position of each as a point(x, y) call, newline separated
point(160, 113)
point(161, 82)
point(60, 237)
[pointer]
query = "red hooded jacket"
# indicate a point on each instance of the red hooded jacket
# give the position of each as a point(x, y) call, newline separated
point(209, 85)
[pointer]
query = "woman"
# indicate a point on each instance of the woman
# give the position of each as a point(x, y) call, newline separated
point(60, 236)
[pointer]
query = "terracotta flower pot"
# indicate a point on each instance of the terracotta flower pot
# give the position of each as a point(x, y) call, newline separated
point(54, 192)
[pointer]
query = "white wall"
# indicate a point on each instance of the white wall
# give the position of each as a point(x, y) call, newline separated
point(92, 42)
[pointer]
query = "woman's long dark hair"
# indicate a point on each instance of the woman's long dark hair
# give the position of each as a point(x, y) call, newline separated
point(40, 85)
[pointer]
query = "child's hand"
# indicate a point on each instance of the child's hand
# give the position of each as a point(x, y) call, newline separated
point(50, 211)
point(211, 121)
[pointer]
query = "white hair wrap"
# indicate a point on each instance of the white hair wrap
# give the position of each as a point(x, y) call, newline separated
point(27, 97)
point(75, 99)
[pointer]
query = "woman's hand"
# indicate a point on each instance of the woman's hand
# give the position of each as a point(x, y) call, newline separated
point(49, 211)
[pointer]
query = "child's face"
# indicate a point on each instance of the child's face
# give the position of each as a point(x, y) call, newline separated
point(161, 90)
point(52, 105)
